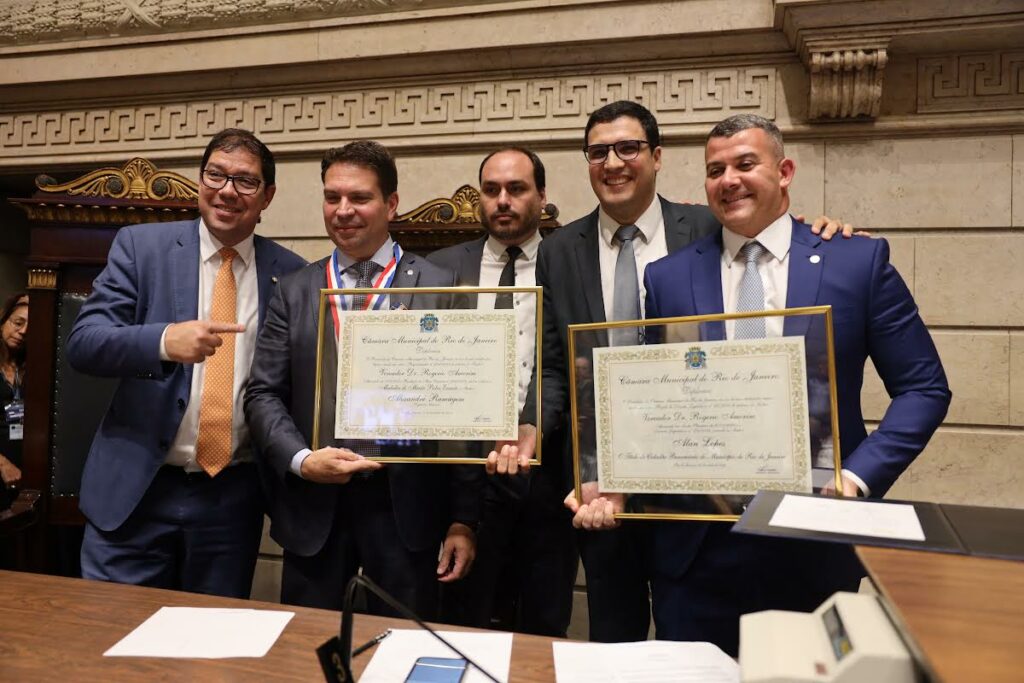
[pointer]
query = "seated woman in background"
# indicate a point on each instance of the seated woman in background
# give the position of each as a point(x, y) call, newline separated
point(13, 332)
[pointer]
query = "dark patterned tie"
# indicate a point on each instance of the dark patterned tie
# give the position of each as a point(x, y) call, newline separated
point(508, 278)
point(364, 270)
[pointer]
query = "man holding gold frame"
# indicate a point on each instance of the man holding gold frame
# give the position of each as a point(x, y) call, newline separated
point(703, 577)
point(333, 510)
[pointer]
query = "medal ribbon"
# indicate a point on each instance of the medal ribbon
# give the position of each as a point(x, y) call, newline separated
point(374, 301)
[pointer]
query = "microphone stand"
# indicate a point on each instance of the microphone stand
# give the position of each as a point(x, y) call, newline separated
point(336, 654)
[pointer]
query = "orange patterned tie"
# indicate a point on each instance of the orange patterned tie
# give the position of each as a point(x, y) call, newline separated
point(213, 445)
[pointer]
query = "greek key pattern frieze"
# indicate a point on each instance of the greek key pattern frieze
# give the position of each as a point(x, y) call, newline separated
point(976, 82)
point(543, 104)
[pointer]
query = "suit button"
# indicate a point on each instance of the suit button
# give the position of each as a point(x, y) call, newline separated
point(181, 404)
point(164, 443)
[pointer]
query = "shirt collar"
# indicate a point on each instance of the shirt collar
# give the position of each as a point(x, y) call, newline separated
point(650, 223)
point(776, 238)
point(382, 257)
point(209, 246)
point(496, 249)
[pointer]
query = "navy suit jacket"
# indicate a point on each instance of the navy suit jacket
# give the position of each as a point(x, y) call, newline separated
point(279, 405)
point(151, 280)
point(873, 315)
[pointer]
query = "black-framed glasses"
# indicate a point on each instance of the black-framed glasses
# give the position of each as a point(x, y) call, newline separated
point(626, 150)
point(244, 184)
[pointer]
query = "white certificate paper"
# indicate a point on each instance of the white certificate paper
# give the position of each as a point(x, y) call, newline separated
point(849, 517)
point(207, 633)
point(431, 374)
point(726, 417)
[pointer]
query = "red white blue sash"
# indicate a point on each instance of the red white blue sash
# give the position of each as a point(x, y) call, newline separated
point(374, 302)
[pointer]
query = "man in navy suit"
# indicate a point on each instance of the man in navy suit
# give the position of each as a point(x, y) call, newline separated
point(333, 510)
point(703, 577)
point(170, 493)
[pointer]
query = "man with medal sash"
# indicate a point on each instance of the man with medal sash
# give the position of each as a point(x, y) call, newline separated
point(334, 510)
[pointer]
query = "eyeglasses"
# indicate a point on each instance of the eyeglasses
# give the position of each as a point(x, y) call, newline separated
point(244, 184)
point(626, 150)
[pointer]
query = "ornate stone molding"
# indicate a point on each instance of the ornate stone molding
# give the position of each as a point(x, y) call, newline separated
point(42, 278)
point(138, 179)
point(974, 82)
point(509, 108)
point(845, 83)
point(35, 21)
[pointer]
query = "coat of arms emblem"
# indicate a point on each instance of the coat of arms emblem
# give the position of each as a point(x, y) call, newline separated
point(428, 323)
point(696, 358)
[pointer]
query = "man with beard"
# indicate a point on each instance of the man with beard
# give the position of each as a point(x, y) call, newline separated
point(526, 562)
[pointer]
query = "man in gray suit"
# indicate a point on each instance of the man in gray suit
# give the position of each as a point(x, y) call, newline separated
point(526, 565)
point(333, 510)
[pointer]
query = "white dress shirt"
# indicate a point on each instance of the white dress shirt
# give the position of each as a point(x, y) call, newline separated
point(773, 267)
point(649, 245)
point(492, 262)
point(182, 452)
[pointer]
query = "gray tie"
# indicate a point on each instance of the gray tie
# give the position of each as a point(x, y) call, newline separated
point(751, 297)
point(626, 298)
point(364, 270)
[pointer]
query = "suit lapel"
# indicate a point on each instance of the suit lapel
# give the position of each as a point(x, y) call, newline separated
point(266, 276)
point(804, 277)
point(472, 254)
point(678, 231)
point(185, 273)
point(707, 285)
point(588, 265)
point(319, 281)
point(408, 275)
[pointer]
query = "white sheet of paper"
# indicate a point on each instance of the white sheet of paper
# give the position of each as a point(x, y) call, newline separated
point(204, 633)
point(652, 661)
point(852, 517)
point(396, 654)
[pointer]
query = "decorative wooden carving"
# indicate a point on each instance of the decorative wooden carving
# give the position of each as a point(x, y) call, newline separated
point(138, 192)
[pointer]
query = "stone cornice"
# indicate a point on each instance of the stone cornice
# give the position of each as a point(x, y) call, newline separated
point(846, 44)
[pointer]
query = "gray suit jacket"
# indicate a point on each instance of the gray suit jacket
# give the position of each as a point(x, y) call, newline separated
point(279, 404)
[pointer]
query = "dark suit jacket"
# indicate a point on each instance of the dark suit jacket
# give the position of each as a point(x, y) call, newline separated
point(151, 279)
point(569, 269)
point(279, 409)
point(874, 316)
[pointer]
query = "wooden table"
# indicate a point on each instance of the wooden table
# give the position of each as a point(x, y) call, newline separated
point(54, 628)
point(965, 614)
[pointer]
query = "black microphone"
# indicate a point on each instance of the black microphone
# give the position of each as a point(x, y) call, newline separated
point(336, 654)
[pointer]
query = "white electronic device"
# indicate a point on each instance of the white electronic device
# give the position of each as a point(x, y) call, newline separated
point(848, 639)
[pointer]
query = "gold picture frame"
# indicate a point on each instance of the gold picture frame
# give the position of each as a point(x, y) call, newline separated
point(585, 338)
point(464, 293)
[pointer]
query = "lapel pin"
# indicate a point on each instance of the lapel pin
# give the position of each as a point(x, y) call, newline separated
point(274, 279)
point(409, 272)
point(815, 259)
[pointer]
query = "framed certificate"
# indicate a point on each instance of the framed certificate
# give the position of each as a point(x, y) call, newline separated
point(691, 424)
point(415, 375)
